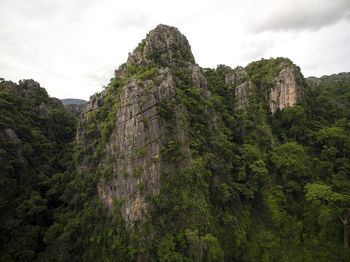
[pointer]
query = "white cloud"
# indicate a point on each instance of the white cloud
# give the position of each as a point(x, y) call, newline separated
point(72, 47)
point(301, 15)
point(255, 49)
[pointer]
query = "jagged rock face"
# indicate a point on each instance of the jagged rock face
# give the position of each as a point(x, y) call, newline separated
point(244, 88)
point(164, 44)
point(315, 81)
point(74, 106)
point(75, 109)
point(345, 76)
point(29, 114)
point(43, 110)
point(8, 134)
point(136, 143)
point(281, 91)
point(287, 90)
point(133, 150)
point(28, 87)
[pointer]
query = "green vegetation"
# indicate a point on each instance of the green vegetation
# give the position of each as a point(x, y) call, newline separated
point(36, 136)
point(136, 171)
point(238, 185)
point(263, 71)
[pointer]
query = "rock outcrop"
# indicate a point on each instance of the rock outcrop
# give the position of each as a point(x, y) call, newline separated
point(288, 88)
point(163, 45)
point(125, 128)
point(75, 109)
point(279, 80)
point(317, 81)
point(136, 143)
point(74, 106)
point(126, 115)
point(244, 88)
point(26, 88)
point(9, 135)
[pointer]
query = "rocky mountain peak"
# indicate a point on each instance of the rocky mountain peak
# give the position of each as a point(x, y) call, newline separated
point(138, 133)
point(288, 89)
point(126, 126)
point(165, 45)
point(341, 77)
point(25, 88)
point(279, 80)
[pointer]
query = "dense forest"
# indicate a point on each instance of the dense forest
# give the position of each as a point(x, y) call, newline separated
point(241, 185)
point(36, 143)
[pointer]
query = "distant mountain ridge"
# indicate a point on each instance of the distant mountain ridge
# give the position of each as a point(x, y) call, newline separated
point(341, 77)
point(74, 105)
point(73, 101)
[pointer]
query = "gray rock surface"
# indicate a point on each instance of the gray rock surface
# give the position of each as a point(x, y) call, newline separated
point(75, 109)
point(136, 147)
point(133, 149)
point(164, 44)
point(288, 88)
point(316, 81)
point(131, 153)
point(9, 134)
point(244, 88)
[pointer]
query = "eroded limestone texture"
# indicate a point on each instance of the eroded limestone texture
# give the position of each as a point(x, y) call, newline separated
point(287, 90)
point(244, 88)
point(133, 149)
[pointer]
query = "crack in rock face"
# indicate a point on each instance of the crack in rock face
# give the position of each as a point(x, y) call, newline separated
point(133, 150)
point(286, 88)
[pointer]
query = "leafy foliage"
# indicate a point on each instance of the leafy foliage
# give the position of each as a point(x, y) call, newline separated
point(36, 147)
point(239, 185)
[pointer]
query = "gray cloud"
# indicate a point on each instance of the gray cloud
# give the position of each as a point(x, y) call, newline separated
point(101, 74)
point(45, 10)
point(131, 19)
point(302, 15)
point(254, 50)
point(72, 47)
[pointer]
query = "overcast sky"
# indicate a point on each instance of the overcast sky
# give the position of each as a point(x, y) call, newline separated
point(71, 47)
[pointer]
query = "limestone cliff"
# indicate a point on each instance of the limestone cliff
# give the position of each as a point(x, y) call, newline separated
point(126, 126)
point(279, 80)
point(32, 101)
point(288, 88)
point(74, 106)
point(126, 130)
point(239, 79)
point(326, 79)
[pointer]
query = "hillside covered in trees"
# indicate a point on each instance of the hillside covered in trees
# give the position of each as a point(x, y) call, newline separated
point(174, 162)
point(36, 136)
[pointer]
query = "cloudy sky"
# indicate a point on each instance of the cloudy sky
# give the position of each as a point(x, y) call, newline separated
point(71, 47)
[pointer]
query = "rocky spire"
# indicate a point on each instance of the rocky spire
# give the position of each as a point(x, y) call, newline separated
point(279, 79)
point(165, 45)
point(288, 88)
point(132, 133)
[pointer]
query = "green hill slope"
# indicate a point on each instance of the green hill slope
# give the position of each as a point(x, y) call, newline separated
point(174, 162)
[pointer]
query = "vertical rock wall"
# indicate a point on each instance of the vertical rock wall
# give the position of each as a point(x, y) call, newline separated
point(244, 88)
point(132, 156)
point(123, 133)
point(287, 90)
